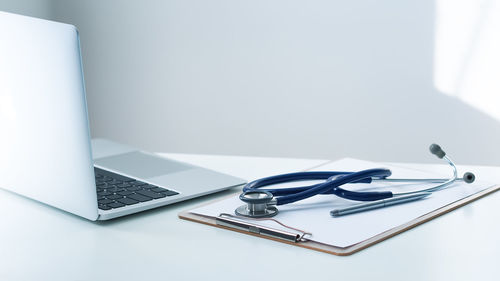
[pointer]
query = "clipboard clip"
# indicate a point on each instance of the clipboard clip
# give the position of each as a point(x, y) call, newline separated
point(240, 223)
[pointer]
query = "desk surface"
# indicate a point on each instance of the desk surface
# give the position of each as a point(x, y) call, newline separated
point(38, 242)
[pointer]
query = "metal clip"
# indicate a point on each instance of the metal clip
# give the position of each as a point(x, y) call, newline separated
point(237, 222)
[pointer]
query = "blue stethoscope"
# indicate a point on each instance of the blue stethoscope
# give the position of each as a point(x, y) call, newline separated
point(262, 202)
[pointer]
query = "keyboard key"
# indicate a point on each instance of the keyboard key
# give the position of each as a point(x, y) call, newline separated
point(127, 201)
point(149, 186)
point(170, 193)
point(124, 185)
point(158, 189)
point(150, 194)
point(104, 193)
point(115, 205)
point(138, 183)
point(105, 201)
point(115, 189)
point(104, 207)
point(114, 196)
point(133, 188)
point(139, 197)
point(125, 192)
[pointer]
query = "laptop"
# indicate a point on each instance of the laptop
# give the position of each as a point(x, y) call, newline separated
point(45, 149)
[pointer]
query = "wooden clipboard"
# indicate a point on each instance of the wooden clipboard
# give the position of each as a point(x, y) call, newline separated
point(345, 251)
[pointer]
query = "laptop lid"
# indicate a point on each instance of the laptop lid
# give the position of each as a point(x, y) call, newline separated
point(45, 151)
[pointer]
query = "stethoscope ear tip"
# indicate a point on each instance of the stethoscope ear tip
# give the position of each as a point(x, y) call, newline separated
point(469, 177)
point(437, 150)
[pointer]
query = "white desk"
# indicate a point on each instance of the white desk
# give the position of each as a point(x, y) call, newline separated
point(42, 243)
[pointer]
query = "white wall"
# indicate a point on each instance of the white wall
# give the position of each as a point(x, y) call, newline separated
point(35, 8)
point(292, 78)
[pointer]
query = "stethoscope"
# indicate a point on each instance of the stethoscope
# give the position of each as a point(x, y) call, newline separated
point(262, 202)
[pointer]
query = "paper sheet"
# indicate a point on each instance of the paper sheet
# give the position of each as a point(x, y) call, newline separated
point(313, 214)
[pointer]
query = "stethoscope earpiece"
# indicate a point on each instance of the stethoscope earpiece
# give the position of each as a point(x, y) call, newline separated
point(469, 177)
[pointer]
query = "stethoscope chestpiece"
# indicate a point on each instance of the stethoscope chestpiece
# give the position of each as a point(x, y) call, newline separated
point(259, 204)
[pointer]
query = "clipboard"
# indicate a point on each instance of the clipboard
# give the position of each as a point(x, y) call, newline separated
point(341, 251)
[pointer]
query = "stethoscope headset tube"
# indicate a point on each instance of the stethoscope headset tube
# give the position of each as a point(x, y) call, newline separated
point(261, 203)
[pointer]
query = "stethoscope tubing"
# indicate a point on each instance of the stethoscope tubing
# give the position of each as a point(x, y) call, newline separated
point(331, 186)
point(260, 202)
point(333, 181)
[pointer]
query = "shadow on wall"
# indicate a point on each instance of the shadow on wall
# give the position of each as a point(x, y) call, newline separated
point(279, 78)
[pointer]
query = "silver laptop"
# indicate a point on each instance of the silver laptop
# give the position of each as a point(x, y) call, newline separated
point(45, 148)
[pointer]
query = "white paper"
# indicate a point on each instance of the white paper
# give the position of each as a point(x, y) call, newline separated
point(313, 214)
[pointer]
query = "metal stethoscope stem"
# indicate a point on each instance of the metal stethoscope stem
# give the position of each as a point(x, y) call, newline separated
point(262, 202)
point(468, 178)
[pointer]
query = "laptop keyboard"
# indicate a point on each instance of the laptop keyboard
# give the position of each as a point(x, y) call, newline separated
point(116, 191)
